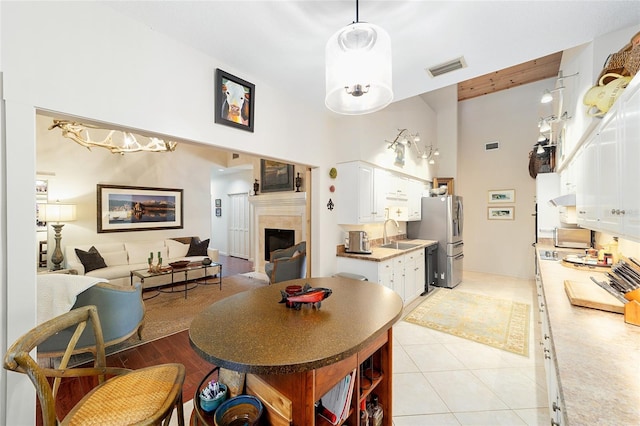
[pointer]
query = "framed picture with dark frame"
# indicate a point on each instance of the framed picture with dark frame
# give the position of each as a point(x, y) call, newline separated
point(276, 176)
point(136, 208)
point(218, 211)
point(234, 101)
point(218, 202)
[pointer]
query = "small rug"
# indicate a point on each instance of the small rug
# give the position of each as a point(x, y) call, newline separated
point(499, 323)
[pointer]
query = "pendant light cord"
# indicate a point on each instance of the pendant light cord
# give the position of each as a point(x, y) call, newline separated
point(357, 15)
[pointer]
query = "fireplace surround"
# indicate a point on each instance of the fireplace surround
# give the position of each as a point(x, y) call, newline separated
point(278, 210)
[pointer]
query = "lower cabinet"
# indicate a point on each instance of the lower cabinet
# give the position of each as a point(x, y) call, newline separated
point(546, 342)
point(404, 274)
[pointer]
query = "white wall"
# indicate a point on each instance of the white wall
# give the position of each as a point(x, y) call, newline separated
point(76, 171)
point(510, 117)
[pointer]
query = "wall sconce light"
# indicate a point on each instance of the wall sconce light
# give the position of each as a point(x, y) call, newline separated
point(547, 95)
point(128, 142)
point(412, 139)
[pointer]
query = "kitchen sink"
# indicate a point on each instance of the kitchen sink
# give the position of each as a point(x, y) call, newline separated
point(400, 246)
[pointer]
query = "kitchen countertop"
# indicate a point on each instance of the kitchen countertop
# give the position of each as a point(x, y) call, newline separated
point(597, 353)
point(251, 332)
point(380, 254)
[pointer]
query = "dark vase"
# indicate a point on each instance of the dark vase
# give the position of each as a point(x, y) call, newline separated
point(256, 187)
point(298, 182)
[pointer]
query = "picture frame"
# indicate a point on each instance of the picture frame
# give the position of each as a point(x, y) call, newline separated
point(502, 196)
point(218, 211)
point(40, 224)
point(234, 101)
point(136, 208)
point(276, 176)
point(501, 213)
point(218, 202)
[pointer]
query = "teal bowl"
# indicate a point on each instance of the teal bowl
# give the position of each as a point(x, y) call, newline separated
point(239, 411)
point(210, 405)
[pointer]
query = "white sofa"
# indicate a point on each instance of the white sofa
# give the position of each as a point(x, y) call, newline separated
point(122, 258)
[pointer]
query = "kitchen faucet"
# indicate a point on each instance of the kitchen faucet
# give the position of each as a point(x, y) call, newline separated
point(385, 239)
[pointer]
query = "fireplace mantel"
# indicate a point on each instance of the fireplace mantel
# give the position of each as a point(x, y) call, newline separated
point(279, 199)
point(282, 210)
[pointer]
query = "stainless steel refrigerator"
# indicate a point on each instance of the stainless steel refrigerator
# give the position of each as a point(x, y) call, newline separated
point(442, 220)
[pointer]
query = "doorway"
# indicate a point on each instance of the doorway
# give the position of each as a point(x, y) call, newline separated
point(239, 220)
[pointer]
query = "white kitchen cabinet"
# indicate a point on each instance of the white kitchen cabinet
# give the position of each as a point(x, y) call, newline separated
point(397, 190)
point(404, 274)
point(414, 205)
point(556, 407)
point(608, 175)
point(630, 158)
point(414, 275)
point(587, 184)
point(399, 276)
point(357, 199)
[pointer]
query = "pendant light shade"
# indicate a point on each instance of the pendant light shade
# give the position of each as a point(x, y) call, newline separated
point(358, 69)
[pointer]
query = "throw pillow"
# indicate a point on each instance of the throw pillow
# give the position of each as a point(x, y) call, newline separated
point(91, 260)
point(176, 249)
point(198, 248)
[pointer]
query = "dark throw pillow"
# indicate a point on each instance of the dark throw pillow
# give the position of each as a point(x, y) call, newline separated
point(198, 248)
point(91, 260)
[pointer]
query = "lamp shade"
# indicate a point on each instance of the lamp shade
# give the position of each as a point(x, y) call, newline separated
point(57, 213)
point(358, 69)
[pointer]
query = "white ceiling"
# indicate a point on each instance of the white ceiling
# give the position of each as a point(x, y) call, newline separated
point(282, 42)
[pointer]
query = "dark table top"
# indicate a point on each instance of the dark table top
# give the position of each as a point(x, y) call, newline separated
point(251, 332)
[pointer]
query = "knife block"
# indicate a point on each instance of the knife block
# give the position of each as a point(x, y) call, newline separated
point(632, 309)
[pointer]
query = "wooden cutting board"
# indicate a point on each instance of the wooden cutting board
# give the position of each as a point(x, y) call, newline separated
point(589, 295)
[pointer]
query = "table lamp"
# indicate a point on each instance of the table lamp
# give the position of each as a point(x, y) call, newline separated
point(57, 212)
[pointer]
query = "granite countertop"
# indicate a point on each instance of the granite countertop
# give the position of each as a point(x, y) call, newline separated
point(380, 254)
point(597, 353)
point(251, 332)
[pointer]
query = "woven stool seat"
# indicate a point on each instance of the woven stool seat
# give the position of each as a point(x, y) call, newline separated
point(138, 397)
point(122, 397)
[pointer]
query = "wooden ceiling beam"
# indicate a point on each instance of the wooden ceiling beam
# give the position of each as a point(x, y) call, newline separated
point(517, 75)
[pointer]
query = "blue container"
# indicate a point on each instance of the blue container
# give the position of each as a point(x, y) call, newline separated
point(210, 405)
point(239, 410)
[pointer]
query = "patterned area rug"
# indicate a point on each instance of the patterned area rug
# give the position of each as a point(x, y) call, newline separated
point(499, 323)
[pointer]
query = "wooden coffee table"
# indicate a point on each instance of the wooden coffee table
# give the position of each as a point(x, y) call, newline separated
point(143, 274)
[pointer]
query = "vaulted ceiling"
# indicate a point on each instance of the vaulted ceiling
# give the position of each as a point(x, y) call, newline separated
point(282, 43)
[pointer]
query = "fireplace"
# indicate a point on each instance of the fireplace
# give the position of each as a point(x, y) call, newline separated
point(275, 239)
point(277, 210)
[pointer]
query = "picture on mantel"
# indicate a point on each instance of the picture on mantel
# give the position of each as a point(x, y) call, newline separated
point(276, 176)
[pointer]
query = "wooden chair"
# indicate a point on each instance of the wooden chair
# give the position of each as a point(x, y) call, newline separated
point(143, 397)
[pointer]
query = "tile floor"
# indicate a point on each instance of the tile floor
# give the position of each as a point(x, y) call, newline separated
point(439, 379)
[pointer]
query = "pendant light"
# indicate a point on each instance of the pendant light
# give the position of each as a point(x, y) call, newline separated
point(358, 69)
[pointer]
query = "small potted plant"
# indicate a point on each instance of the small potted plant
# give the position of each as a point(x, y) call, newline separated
point(212, 395)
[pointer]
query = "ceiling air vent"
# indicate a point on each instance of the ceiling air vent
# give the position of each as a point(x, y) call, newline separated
point(446, 67)
point(490, 146)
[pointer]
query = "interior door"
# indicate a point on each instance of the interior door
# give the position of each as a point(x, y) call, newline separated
point(239, 242)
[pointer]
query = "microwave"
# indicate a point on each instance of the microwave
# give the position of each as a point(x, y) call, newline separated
point(572, 237)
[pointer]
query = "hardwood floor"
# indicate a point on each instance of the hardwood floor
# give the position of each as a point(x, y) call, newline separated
point(174, 348)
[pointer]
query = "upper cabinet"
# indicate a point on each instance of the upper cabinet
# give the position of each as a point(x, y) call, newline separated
point(607, 169)
point(358, 199)
point(364, 192)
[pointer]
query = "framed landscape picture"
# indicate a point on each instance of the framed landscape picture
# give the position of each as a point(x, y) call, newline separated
point(135, 208)
point(234, 101)
point(276, 176)
point(501, 213)
point(502, 196)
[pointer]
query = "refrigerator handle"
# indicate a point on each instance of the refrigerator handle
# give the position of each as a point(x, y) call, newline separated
point(460, 217)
